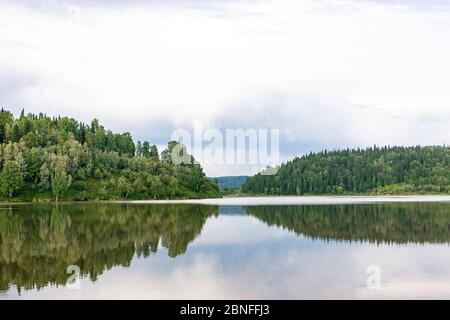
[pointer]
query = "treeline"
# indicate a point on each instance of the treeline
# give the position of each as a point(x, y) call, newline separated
point(377, 170)
point(43, 158)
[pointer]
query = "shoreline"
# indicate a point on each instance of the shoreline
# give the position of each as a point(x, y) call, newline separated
point(270, 200)
point(300, 200)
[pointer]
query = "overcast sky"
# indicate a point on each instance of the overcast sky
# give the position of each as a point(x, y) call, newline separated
point(328, 74)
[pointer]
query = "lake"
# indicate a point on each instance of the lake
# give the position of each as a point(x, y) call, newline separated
point(240, 248)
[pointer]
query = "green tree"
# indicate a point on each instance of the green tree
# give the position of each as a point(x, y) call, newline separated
point(6, 121)
point(154, 152)
point(11, 178)
point(33, 163)
point(146, 149)
point(124, 187)
point(176, 153)
point(60, 179)
point(196, 178)
point(138, 149)
point(16, 134)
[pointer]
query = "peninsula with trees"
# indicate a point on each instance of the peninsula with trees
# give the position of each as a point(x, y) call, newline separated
point(60, 158)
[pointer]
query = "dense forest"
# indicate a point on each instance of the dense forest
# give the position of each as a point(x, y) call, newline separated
point(43, 158)
point(385, 170)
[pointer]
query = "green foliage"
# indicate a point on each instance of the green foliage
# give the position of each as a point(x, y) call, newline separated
point(154, 152)
point(63, 158)
point(146, 149)
point(196, 178)
point(387, 170)
point(176, 153)
point(139, 149)
point(33, 163)
point(6, 123)
point(60, 179)
point(10, 178)
point(231, 185)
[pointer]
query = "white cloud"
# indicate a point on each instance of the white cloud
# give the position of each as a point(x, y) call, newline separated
point(343, 73)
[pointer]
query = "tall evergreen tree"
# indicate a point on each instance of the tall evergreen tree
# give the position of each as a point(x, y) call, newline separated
point(146, 149)
point(139, 149)
point(154, 152)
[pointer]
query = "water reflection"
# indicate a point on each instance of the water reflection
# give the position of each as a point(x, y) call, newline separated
point(378, 223)
point(38, 242)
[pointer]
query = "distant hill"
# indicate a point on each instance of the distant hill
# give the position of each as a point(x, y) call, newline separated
point(231, 182)
point(385, 170)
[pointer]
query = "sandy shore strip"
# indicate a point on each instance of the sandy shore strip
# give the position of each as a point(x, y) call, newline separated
point(298, 200)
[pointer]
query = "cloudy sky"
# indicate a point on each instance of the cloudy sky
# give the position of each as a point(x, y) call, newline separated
point(327, 74)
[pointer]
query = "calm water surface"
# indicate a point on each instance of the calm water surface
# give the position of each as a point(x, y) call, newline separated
point(190, 251)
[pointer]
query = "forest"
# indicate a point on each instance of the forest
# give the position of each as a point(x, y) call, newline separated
point(375, 170)
point(60, 158)
point(46, 158)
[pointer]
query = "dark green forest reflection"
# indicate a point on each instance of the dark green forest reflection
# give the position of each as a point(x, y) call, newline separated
point(39, 242)
point(377, 223)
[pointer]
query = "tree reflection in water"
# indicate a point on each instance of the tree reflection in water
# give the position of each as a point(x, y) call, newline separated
point(39, 242)
point(388, 223)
